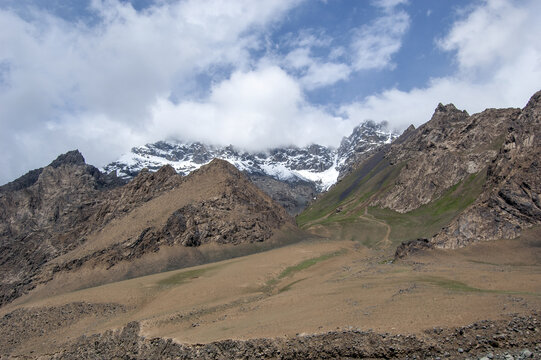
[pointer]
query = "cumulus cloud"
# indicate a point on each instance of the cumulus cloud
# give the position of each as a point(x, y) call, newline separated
point(498, 54)
point(374, 44)
point(254, 110)
point(371, 47)
point(315, 73)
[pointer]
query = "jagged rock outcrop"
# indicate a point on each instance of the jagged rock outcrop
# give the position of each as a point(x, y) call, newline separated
point(234, 212)
point(363, 141)
point(511, 199)
point(43, 215)
point(411, 247)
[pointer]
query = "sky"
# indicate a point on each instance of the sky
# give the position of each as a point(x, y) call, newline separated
point(103, 76)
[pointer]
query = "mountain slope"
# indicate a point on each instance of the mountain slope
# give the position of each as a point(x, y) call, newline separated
point(425, 179)
point(65, 222)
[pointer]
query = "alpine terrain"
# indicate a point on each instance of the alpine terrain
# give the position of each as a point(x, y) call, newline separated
point(423, 245)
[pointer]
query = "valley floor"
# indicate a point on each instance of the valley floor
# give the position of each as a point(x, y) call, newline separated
point(310, 287)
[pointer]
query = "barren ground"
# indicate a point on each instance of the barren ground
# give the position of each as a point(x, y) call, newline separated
point(311, 287)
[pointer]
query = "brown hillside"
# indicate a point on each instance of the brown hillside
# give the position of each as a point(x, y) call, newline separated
point(107, 229)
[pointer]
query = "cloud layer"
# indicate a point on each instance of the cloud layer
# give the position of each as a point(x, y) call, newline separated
point(204, 71)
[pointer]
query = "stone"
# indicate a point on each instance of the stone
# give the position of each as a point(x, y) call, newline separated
point(526, 353)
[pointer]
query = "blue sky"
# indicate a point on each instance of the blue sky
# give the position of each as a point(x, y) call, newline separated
point(105, 75)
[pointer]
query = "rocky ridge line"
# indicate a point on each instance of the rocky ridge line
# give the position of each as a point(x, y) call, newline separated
point(315, 164)
point(494, 338)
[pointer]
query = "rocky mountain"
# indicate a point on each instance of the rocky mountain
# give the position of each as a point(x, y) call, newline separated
point(290, 175)
point(511, 197)
point(44, 214)
point(69, 216)
point(455, 180)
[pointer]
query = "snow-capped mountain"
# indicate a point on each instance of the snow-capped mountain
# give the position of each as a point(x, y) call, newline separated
point(315, 164)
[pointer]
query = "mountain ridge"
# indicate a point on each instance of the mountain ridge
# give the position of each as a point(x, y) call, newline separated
point(313, 163)
point(292, 176)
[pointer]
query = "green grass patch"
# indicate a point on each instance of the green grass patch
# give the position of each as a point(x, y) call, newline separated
point(428, 219)
point(290, 270)
point(308, 263)
point(451, 284)
point(363, 231)
point(350, 192)
point(340, 209)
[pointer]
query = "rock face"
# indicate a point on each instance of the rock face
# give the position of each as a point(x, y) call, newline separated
point(43, 215)
point(363, 141)
point(59, 220)
point(442, 153)
point(511, 200)
point(290, 175)
point(293, 196)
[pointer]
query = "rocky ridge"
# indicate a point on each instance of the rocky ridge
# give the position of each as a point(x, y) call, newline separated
point(314, 163)
point(45, 216)
point(485, 339)
point(502, 145)
point(441, 153)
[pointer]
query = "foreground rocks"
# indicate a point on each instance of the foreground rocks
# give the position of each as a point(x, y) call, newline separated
point(519, 337)
point(23, 325)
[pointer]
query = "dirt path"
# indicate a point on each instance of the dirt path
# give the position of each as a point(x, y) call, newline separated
point(385, 242)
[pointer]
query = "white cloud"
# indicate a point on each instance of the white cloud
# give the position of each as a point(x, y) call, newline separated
point(315, 73)
point(498, 53)
point(388, 5)
point(374, 44)
point(105, 87)
point(493, 34)
point(254, 110)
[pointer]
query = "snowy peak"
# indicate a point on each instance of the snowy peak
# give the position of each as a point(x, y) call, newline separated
point(315, 164)
point(363, 139)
